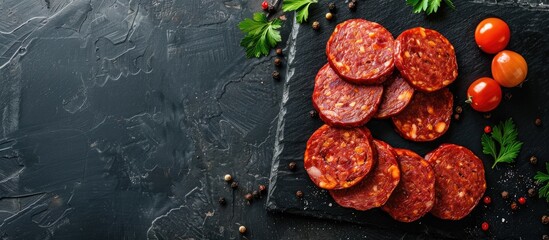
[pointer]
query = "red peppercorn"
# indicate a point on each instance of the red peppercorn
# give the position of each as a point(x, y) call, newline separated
point(487, 200)
point(485, 226)
point(265, 5)
point(487, 129)
point(522, 200)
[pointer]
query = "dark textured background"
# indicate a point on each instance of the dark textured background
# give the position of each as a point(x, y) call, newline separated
point(120, 118)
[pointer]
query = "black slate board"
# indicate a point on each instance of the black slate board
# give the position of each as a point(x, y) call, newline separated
point(305, 55)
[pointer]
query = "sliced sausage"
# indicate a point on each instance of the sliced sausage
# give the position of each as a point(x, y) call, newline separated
point(337, 158)
point(344, 104)
point(397, 93)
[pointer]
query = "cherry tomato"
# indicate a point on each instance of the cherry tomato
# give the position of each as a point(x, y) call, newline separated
point(492, 35)
point(484, 94)
point(509, 68)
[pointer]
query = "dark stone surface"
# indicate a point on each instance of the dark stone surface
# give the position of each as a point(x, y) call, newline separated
point(119, 119)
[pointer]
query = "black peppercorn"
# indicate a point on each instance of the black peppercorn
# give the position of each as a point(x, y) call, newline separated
point(545, 219)
point(292, 166)
point(352, 6)
point(533, 160)
point(248, 197)
point(278, 62)
point(514, 206)
point(459, 109)
point(234, 185)
point(255, 194)
point(316, 25)
point(271, 9)
point(276, 75)
point(299, 194)
point(531, 192)
point(279, 51)
point(487, 115)
point(222, 201)
point(537, 122)
point(456, 117)
point(504, 194)
point(331, 6)
point(313, 114)
point(262, 188)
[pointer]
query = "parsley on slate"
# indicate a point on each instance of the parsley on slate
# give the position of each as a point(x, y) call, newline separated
point(261, 34)
point(542, 177)
point(429, 6)
point(301, 8)
point(505, 134)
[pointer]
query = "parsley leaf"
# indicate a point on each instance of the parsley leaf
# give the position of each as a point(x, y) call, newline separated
point(300, 6)
point(428, 6)
point(506, 135)
point(261, 35)
point(542, 177)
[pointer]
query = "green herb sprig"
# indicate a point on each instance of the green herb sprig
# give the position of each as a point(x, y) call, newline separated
point(428, 6)
point(505, 134)
point(542, 178)
point(261, 34)
point(301, 8)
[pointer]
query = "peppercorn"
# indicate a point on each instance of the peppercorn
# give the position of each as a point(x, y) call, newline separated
point(292, 166)
point(228, 178)
point(262, 188)
point(248, 197)
point(537, 122)
point(278, 62)
point(331, 6)
point(484, 226)
point(279, 51)
point(316, 25)
point(299, 194)
point(531, 192)
point(265, 5)
point(242, 229)
point(522, 200)
point(352, 6)
point(234, 185)
point(533, 160)
point(313, 114)
point(222, 201)
point(487, 200)
point(545, 237)
point(459, 109)
point(545, 219)
point(255, 194)
point(514, 206)
point(329, 16)
point(456, 117)
point(487, 129)
point(276, 75)
point(504, 194)
point(271, 9)
point(487, 115)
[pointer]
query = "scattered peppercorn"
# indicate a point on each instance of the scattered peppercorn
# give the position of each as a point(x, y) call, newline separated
point(278, 62)
point(531, 192)
point(545, 219)
point(331, 6)
point(514, 206)
point(234, 185)
point(279, 51)
point(487, 115)
point(271, 9)
point(459, 109)
point(504, 194)
point(545, 237)
point(292, 166)
point(228, 178)
point(487, 200)
point(313, 114)
point(329, 16)
point(537, 122)
point(276, 75)
point(265, 5)
point(533, 160)
point(456, 117)
point(522, 200)
point(222, 201)
point(242, 229)
point(299, 194)
point(487, 129)
point(485, 226)
point(248, 197)
point(352, 6)
point(316, 25)
point(262, 188)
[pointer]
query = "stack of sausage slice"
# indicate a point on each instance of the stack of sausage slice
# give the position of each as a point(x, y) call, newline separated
point(359, 83)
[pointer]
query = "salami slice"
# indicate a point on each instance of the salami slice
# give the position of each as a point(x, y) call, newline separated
point(426, 59)
point(361, 51)
point(427, 117)
point(415, 194)
point(375, 189)
point(460, 182)
point(344, 104)
point(338, 158)
point(397, 93)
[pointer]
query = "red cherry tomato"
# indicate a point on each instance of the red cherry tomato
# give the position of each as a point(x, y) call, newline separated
point(509, 68)
point(492, 35)
point(484, 94)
